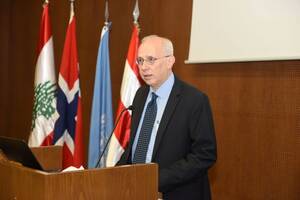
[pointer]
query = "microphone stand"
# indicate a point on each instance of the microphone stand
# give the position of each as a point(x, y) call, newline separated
point(119, 117)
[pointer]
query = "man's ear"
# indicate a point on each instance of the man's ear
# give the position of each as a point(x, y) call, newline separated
point(171, 61)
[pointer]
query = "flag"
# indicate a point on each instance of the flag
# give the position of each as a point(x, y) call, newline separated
point(102, 117)
point(130, 84)
point(68, 127)
point(44, 110)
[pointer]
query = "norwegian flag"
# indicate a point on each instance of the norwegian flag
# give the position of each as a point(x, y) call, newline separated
point(68, 127)
point(44, 109)
point(130, 84)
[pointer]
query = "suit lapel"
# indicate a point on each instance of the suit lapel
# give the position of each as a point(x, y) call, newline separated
point(169, 110)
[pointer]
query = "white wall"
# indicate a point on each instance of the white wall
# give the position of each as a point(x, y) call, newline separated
point(244, 30)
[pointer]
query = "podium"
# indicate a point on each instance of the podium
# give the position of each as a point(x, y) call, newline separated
point(134, 182)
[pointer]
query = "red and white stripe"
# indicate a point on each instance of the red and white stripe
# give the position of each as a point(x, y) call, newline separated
point(130, 84)
point(42, 133)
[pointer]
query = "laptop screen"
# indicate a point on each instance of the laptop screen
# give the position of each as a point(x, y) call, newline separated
point(18, 150)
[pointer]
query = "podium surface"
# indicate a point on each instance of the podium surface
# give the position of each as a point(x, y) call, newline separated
point(134, 182)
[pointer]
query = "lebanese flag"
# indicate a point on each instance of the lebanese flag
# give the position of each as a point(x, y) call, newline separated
point(130, 84)
point(44, 110)
point(68, 127)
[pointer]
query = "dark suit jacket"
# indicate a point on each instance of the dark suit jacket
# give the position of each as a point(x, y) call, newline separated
point(185, 145)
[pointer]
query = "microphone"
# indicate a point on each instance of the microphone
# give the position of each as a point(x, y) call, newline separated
point(131, 107)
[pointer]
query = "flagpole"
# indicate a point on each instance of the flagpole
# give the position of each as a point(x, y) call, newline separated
point(70, 135)
point(101, 123)
point(44, 109)
point(130, 83)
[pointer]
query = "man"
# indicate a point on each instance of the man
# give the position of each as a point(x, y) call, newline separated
point(171, 125)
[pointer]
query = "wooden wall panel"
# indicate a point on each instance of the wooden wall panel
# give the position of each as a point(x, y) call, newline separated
point(256, 105)
point(5, 16)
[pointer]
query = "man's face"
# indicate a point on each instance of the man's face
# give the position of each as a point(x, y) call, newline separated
point(156, 67)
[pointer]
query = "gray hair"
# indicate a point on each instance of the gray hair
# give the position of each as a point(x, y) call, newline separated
point(167, 44)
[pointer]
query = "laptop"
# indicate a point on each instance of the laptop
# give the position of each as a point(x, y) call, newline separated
point(18, 150)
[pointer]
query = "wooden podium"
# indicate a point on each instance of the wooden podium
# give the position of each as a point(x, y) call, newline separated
point(134, 182)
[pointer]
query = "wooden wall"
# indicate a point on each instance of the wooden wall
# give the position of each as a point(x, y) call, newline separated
point(256, 105)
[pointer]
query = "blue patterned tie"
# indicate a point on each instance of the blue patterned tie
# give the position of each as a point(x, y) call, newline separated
point(146, 130)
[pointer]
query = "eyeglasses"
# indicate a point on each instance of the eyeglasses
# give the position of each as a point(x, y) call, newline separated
point(150, 60)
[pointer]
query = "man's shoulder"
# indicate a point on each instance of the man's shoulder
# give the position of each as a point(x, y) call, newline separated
point(141, 93)
point(189, 90)
point(143, 89)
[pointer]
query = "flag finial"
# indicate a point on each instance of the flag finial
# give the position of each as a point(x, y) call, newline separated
point(106, 13)
point(136, 12)
point(71, 9)
point(72, 4)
